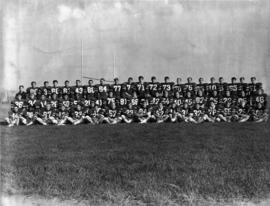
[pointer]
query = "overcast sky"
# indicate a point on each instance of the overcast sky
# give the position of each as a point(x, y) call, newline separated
point(42, 39)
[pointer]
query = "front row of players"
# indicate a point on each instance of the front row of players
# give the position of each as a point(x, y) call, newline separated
point(143, 113)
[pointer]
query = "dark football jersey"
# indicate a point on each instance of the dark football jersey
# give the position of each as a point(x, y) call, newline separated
point(55, 90)
point(165, 101)
point(45, 114)
point(122, 102)
point(112, 113)
point(78, 90)
point(43, 103)
point(62, 114)
point(260, 99)
point(227, 111)
point(166, 87)
point(54, 103)
point(134, 101)
point(155, 100)
point(201, 87)
point(141, 89)
point(129, 88)
point(77, 114)
point(66, 90)
point(32, 103)
point(44, 91)
point(213, 111)
point(110, 100)
point(18, 103)
point(102, 90)
point(86, 102)
point(32, 90)
point(23, 94)
point(190, 87)
point(221, 87)
point(66, 103)
point(116, 89)
point(197, 112)
point(159, 112)
point(153, 87)
point(253, 88)
point(202, 100)
point(233, 88)
point(179, 88)
point(129, 112)
point(190, 101)
point(178, 101)
point(212, 87)
point(90, 91)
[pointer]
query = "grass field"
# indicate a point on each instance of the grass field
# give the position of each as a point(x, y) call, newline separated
point(152, 164)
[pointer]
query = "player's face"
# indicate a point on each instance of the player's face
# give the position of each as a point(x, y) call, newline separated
point(253, 80)
point(116, 81)
point(101, 81)
point(113, 106)
point(32, 96)
point(221, 80)
point(185, 106)
point(233, 81)
point(110, 94)
point(130, 80)
point(166, 94)
point(259, 105)
point(188, 94)
point(242, 80)
point(67, 84)
point(55, 84)
point(21, 88)
point(134, 95)
point(63, 108)
point(243, 94)
point(43, 97)
point(19, 97)
point(129, 106)
point(90, 83)
point(141, 80)
point(197, 106)
point(160, 105)
point(177, 95)
point(79, 107)
point(54, 96)
point(153, 80)
point(214, 93)
point(179, 80)
point(212, 104)
point(78, 83)
point(65, 97)
point(16, 109)
point(228, 93)
point(33, 84)
point(46, 84)
point(92, 104)
point(173, 105)
point(48, 106)
point(200, 93)
point(212, 80)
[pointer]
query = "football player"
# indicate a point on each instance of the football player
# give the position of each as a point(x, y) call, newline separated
point(62, 116)
point(179, 87)
point(96, 114)
point(153, 86)
point(184, 112)
point(78, 89)
point(213, 112)
point(201, 99)
point(102, 89)
point(243, 111)
point(226, 112)
point(31, 115)
point(134, 100)
point(47, 115)
point(129, 87)
point(254, 86)
point(221, 86)
point(141, 87)
point(90, 90)
point(66, 101)
point(259, 97)
point(212, 86)
point(232, 87)
point(177, 99)
point(128, 113)
point(21, 92)
point(33, 89)
point(242, 86)
point(189, 99)
point(55, 89)
point(116, 88)
point(45, 90)
point(190, 86)
point(198, 115)
point(143, 113)
point(43, 101)
point(18, 102)
point(167, 86)
point(77, 116)
point(165, 100)
point(214, 97)
point(14, 117)
point(173, 113)
point(112, 114)
point(160, 114)
point(54, 101)
point(259, 113)
point(66, 89)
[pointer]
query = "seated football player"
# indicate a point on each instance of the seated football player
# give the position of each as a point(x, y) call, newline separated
point(116, 88)
point(55, 89)
point(201, 99)
point(45, 90)
point(214, 97)
point(87, 115)
point(143, 113)
point(54, 101)
point(254, 86)
point(179, 87)
point(153, 86)
point(19, 102)
point(102, 89)
point(33, 89)
point(226, 112)
point(21, 92)
point(66, 101)
point(134, 100)
point(160, 114)
point(197, 114)
point(43, 101)
point(165, 99)
point(190, 86)
point(30, 115)
point(66, 90)
point(259, 97)
point(76, 115)
point(96, 114)
point(259, 113)
point(213, 112)
point(243, 111)
point(46, 115)
point(173, 113)
point(77, 90)
point(184, 112)
point(89, 90)
point(128, 113)
point(112, 115)
point(14, 117)
point(62, 115)
point(189, 99)
point(177, 99)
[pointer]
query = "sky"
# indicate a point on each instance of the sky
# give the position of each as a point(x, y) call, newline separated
point(56, 39)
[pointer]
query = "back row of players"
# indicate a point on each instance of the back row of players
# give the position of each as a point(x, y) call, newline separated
point(140, 101)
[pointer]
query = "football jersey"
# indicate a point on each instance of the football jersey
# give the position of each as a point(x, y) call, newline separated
point(227, 111)
point(232, 88)
point(55, 90)
point(86, 102)
point(129, 112)
point(213, 111)
point(44, 91)
point(129, 88)
point(116, 89)
point(243, 110)
point(253, 88)
point(77, 114)
point(46, 114)
point(197, 112)
point(102, 90)
point(110, 100)
point(142, 111)
point(32, 103)
point(179, 88)
point(166, 86)
point(152, 87)
point(23, 94)
point(66, 90)
point(90, 91)
point(202, 100)
point(165, 101)
point(212, 87)
point(178, 101)
point(184, 112)
point(66, 103)
point(141, 88)
point(112, 113)
point(221, 87)
point(154, 100)
point(18, 103)
point(78, 90)
point(159, 112)
point(54, 103)
point(43, 103)
point(260, 99)
point(122, 102)
point(32, 90)
point(190, 101)
point(134, 101)
point(190, 87)
point(215, 99)
point(62, 114)
point(201, 87)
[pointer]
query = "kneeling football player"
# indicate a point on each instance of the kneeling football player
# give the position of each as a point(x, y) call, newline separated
point(76, 116)
point(243, 112)
point(173, 113)
point(14, 117)
point(259, 113)
point(62, 116)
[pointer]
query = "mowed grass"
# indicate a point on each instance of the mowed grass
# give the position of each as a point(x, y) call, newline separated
point(154, 164)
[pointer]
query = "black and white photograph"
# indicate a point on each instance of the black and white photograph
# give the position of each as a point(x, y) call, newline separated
point(134, 102)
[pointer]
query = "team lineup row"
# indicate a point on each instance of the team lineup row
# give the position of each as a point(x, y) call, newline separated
point(142, 88)
point(153, 106)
